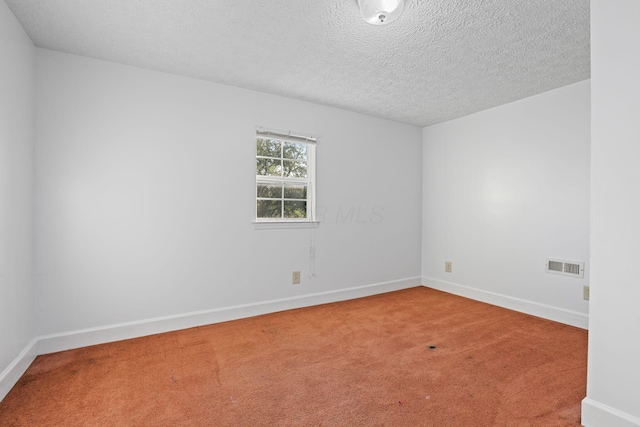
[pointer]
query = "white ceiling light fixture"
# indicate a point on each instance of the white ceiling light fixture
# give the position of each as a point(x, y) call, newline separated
point(380, 12)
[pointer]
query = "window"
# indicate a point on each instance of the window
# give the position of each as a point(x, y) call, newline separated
point(285, 177)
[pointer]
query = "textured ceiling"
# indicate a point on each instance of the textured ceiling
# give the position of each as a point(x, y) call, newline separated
point(442, 59)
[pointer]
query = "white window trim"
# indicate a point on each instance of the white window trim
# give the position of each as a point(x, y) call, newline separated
point(268, 225)
point(310, 221)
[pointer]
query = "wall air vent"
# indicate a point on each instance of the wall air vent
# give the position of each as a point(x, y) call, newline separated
point(567, 268)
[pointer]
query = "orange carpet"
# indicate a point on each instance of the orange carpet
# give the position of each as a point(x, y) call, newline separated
point(417, 357)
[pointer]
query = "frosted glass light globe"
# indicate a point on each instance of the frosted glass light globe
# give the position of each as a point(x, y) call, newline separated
point(380, 12)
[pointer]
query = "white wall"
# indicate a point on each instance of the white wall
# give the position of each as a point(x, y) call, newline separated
point(613, 394)
point(502, 190)
point(16, 150)
point(144, 197)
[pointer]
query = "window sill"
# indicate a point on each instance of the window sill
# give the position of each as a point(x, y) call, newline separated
point(266, 225)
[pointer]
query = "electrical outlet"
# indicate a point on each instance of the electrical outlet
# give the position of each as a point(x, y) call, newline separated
point(447, 267)
point(295, 278)
point(585, 292)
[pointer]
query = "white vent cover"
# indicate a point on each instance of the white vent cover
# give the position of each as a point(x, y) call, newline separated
point(567, 268)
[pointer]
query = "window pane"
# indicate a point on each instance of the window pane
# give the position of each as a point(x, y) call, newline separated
point(295, 209)
point(268, 147)
point(294, 191)
point(294, 169)
point(294, 151)
point(283, 177)
point(269, 209)
point(270, 191)
point(268, 167)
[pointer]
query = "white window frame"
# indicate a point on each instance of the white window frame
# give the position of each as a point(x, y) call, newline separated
point(310, 181)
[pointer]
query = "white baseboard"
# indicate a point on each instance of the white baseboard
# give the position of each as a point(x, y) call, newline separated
point(596, 414)
point(10, 376)
point(556, 314)
point(122, 331)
